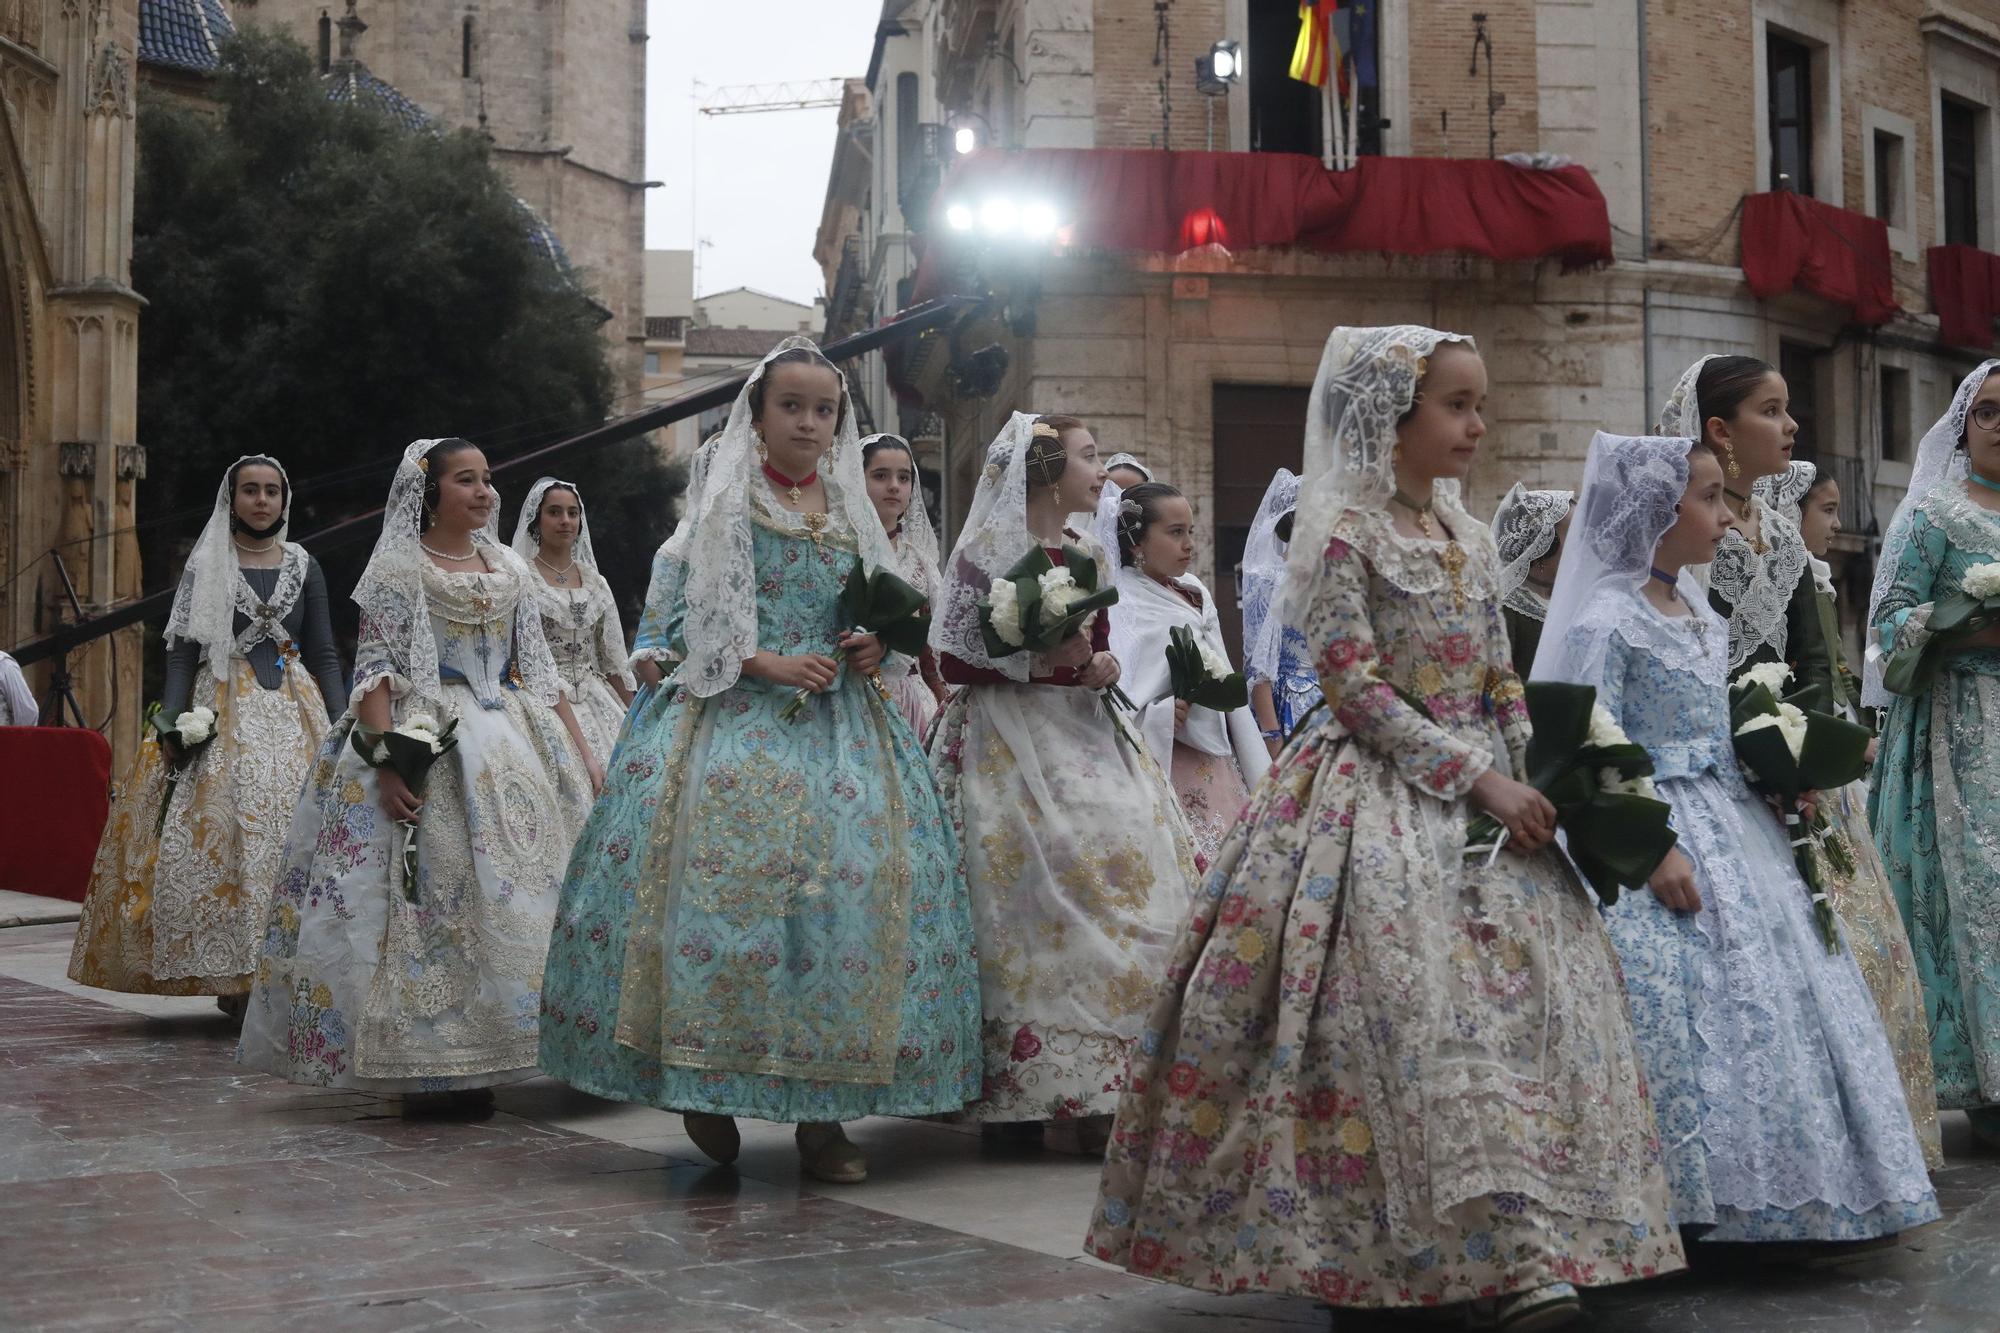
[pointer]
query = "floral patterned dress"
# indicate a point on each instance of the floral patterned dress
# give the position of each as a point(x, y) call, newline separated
point(581, 625)
point(1778, 1100)
point(1935, 806)
point(1081, 867)
point(1379, 1074)
point(767, 917)
point(368, 982)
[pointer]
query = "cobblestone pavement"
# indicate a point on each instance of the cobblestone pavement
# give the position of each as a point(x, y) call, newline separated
point(146, 1183)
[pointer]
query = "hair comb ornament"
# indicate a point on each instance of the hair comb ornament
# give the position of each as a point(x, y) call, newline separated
point(424, 465)
point(1044, 431)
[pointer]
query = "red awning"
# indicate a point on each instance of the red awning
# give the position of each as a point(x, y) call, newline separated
point(1965, 292)
point(1150, 202)
point(1792, 242)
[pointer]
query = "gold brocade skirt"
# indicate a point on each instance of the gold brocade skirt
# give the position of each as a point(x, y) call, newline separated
point(176, 905)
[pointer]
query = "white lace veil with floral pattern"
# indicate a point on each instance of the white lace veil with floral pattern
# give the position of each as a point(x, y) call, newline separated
point(1126, 460)
point(1632, 488)
point(1524, 531)
point(1261, 573)
point(526, 545)
point(1939, 460)
point(1681, 413)
point(915, 542)
point(1367, 381)
point(212, 583)
point(714, 539)
point(994, 537)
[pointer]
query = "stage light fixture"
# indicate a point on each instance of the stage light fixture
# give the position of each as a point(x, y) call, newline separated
point(964, 139)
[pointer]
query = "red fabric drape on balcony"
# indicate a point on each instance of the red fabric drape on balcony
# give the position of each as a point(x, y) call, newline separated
point(1792, 242)
point(1965, 292)
point(59, 795)
point(1146, 201)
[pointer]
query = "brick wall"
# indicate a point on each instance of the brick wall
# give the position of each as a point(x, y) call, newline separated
point(1128, 83)
point(1447, 102)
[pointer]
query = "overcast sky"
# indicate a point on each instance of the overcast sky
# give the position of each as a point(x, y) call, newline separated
point(752, 185)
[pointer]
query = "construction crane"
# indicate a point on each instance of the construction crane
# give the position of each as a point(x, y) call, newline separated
point(746, 99)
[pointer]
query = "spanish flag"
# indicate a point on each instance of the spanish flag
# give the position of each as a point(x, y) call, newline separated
point(1317, 51)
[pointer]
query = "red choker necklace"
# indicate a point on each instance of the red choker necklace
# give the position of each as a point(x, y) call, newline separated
point(780, 479)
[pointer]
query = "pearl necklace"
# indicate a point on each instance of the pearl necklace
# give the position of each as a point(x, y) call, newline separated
point(265, 549)
point(562, 575)
point(470, 551)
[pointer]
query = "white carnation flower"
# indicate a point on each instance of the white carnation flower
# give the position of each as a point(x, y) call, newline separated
point(1771, 675)
point(1789, 721)
point(1059, 593)
point(1611, 782)
point(419, 722)
point(1213, 662)
point(1604, 729)
point(195, 726)
point(1982, 581)
point(1006, 613)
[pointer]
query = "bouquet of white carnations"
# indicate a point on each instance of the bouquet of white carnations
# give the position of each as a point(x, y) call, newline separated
point(1953, 618)
point(1038, 604)
point(410, 750)
point(1614, 825)
point(1200, 675)
point(1788, 748)
point(190, 731)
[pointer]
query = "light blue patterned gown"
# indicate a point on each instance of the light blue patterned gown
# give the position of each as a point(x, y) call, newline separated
point(1295, 683)
point(1781, 1113)
point(767, 917)
point(1934, 804)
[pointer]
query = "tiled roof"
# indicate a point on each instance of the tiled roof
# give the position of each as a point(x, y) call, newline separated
point(741, 344)
point(352, 84)
point(183, 34)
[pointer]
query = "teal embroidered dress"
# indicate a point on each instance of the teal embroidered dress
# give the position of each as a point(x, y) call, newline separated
point(767, 917)
point(1935, 803)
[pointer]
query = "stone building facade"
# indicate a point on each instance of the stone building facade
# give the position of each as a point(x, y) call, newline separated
point(70, 459)
point(559, 88)
point(1199, 361)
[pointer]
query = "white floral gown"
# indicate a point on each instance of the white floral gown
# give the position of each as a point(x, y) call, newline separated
point(588, 643)
point(903, 675)
point(1081, 869)
point(366, 982)
point(1381, 1075)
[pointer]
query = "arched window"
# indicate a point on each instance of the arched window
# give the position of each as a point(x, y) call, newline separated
point(325, 42)
point(465, 48)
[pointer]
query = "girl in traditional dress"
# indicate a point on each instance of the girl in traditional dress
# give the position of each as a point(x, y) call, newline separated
point(1762, 582)
point(429, 984)
point(1776, 1091)
point(898, 497)
point(1214, 758)
point(579, 614)
point(177, 899)
point(1126, 471)
point(1529, 528)
point(1078, 856)
point(1862, 899)
point(1383, 1074)
point(1936, 785)
point(765, 915)
point(1277, 661)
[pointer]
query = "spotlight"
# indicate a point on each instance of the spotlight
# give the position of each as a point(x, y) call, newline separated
point(958, 217)
point(965, 139)
point(1038, 222)
point(999, 216)
point(1225, 61)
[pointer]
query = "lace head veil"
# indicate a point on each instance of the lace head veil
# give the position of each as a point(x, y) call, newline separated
point(1785, 491)
point(524, 543)
point(714, 539)
point(916, 543)
point(1632, 488)
point(1104, 523)
point(390, 591)
point(1260, 573)
point(1126, 460)
point(1681, 414)
point(205, 602)
point(1524, 531)
point(1939, 460)
point(1367, 380)
point(994, 537)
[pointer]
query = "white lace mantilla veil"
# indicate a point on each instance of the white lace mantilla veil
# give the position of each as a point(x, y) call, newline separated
point(1632, 486)
point(212, 588)
point(524, 543)
point(395, 611)
point(1939, 460)
point(714, 540)
point(1126, 460)
point(1524, 530)
point(1787, 490)
point(1261, 572)
point(994, 537)
point(1104, 523)
point(1367, 379)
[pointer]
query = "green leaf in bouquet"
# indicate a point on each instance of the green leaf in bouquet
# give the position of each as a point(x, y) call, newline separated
point(1223, 694)
point(1183, 661)
point(1082, 567)
point(1954, 613)
point(1618, 841)
point(1752, 701)
point(1559, 714)
point(886, 606)
point(1765, 753)
point(1812, 698)
point(1835, 752)
point(367, 744)
point(1031, 566)
point(1072, 620)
